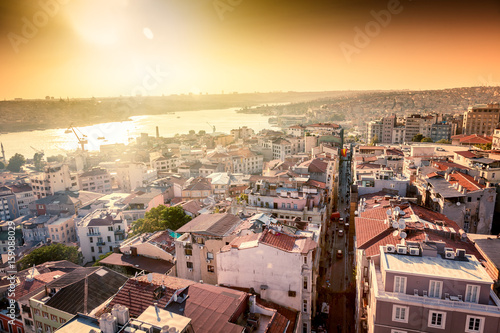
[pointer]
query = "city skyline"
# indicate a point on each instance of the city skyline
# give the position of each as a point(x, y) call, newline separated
point(80, 49)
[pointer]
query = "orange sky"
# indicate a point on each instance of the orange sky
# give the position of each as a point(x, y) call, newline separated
point(84, 48)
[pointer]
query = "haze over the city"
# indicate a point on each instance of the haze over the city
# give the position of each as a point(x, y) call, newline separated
point(109, 48)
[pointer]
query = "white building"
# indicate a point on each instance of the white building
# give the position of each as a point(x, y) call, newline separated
point(56, 177)
point(95, 180)
point(99, 232)
point(24, 195)
point(133, 175)
point(277, 266)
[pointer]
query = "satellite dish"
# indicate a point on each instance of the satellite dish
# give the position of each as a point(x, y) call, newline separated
point(435, 199)
point(397, 209)
point(150, 277)
point(388, 212)
point(458, 203)
point(395, 233)
point(402, 213)
point(403, 235)
point(402, 225)
point(395, 225)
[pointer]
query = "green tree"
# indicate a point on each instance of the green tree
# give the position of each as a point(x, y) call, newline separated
point(50, 252)
point(161, 218)
point(426, 140)
point(16, 162)
point(101, 257)
point(2, 166)
point(58, 158)
point(374, 140)
point(486, 146)
point(444, 141)
point(38, 161)
point(417, 138)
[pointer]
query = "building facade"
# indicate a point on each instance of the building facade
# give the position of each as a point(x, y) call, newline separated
point(481, 119)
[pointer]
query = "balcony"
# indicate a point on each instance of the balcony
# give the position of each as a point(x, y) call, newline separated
point(101, 243)
point(119, 232)
point(93, 233)
point(457, 305)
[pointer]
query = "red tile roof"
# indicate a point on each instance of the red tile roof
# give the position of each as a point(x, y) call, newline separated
point(466, 181)
point(443, 166)
point(286, 242)
point(137, 294)
point(139, 262)
point(466, 154)
point(25, 287)
point(476, 139)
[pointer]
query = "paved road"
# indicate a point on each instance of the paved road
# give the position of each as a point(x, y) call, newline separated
point(335, 286)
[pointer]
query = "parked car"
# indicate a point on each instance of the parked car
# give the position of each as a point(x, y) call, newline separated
point(339, 254)
point(341, 232)
point(346, 225)
point(341, 220)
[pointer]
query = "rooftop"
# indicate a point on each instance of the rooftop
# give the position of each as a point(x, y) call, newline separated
point(138, 262)
point(470, 270)
point(211, 224)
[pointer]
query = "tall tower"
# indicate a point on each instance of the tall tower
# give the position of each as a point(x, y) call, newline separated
point(3, 155)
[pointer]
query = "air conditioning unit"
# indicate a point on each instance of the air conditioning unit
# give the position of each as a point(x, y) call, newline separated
point(188, 257)
point(401, 249)
point(201, 245)
point(209, 260)
point(448, 249)
point(414, 251)
point(190, 269)
point(389, 248)
point(449, 254)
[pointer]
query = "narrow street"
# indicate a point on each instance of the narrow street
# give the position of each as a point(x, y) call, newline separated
point(336, 285)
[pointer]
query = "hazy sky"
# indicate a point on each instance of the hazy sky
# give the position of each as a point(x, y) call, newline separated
point(83, 48)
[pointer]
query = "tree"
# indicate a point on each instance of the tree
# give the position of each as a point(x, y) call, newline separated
point(16, 162)
point(374, 140)
point(52, 252)
point(2, 166)
point(486, 146)
point(161, 218)
point(58, 158)
point(101, 257)
point(417, 138)
point(426, 140)
point(443, 141)
point(38, 162)
point(202, 132)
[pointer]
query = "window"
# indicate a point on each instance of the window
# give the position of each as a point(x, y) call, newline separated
point(45, 314)
point(52, 317)
point(437, 319)
point(305, 282)
point(294, 206)
point(472, 294)
point(91, 249)
point(400, 313)
point(210, 255)
point(210, 268)
point(283, 205)
point(188, 250)
point(474, 324)
point(304, 305)
point(304, 328)
point(91, 239)
point(435, 288)
point(48, 329)
point(305, 260)
point(400, 284)
point(189, 264)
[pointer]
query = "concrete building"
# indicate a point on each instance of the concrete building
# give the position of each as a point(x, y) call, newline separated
point(100, 232)
point(201, 239)
point(398, 134)
point(164, 163)
point(278, 266)
point(382, 180)
point(198, 188)
point(24, 196)
point(374, 130)
point(62, 229)
point(440, 131)
point(56, 177)
point(242, 133)
point(138, 205)
point(481, 119)
point(133, 175)
point(9, 209)
point(441, 290)
point(95, 180)
point(496, 139)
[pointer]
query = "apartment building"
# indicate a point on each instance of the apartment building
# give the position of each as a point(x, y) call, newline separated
point(165, 163)
point(496, 139)
point(56, 177)
point(374, 130)
point(242, 133)
point(95, 180)
point(9, 209)
point(421, 288)
point(24, 196)
point(201, 239)
point(198, 188)
point(398, 134)
point(481, 119)
point(133, 175)
point(100, 232)
point(440, 131)
point(280, 267)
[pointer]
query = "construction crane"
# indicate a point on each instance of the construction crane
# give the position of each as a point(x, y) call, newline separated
point(41, 152)
point(213, 128)
point(81, 140)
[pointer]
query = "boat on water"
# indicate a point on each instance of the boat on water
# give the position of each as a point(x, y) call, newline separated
point(67, 131)
point(101, 138)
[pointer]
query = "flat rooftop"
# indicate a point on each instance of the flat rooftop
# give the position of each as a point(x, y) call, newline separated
point(159, 318)
point(470, 270)
point(488, 245)
point(80, 324)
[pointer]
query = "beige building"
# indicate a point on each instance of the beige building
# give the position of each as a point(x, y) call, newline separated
point(62, 230)
point(481, 119)
point(96, 180)
point(202, 238)
point(56, 177)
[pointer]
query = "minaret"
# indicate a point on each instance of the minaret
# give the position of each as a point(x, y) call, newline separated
point(3, 154)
